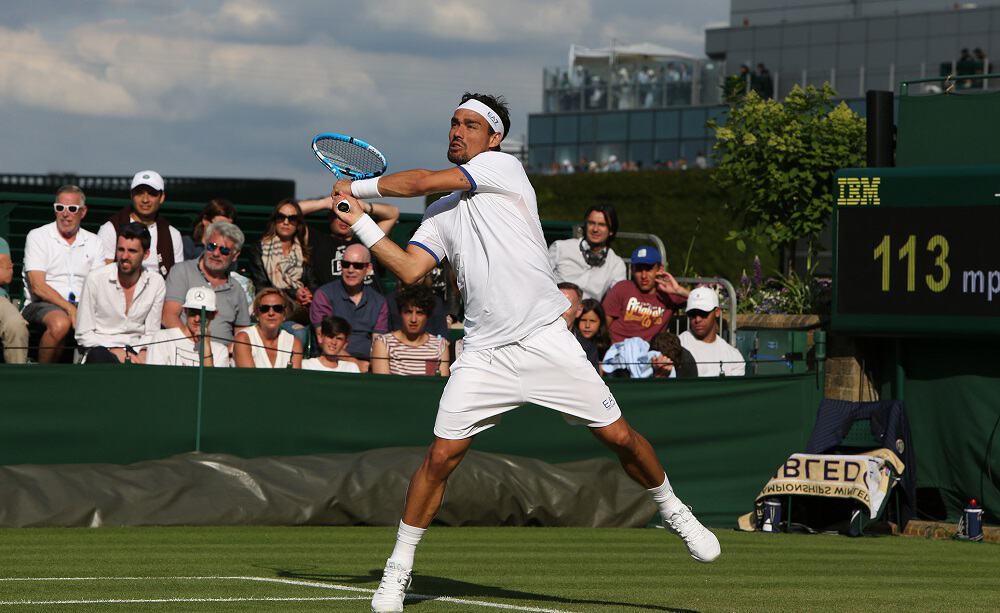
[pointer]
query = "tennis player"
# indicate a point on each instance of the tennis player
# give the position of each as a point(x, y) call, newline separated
point(517, 347)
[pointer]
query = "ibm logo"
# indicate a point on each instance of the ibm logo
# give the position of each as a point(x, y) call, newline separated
point(858, 191)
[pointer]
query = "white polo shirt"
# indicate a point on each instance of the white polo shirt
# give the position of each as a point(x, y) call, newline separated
point(101, 320)
point(109, 243)
point(714, 359)
point(66, 265)
point(493, 238)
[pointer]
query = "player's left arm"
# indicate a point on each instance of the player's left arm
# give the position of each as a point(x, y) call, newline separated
point(420, 182)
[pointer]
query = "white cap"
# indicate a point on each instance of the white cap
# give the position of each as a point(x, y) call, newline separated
point(148, 177)
point(702, 299)
point(198, 297)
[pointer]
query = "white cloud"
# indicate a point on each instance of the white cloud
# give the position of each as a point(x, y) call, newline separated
point(629, 30)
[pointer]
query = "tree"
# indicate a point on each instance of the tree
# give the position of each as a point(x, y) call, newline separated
point(776, 163)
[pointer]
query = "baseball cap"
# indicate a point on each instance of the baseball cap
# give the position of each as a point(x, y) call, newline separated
point(702, 299)
point(646, 255)
point(148, 177)
point(198, 297)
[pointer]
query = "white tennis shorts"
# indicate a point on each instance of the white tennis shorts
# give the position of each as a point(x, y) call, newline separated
point(547, 368)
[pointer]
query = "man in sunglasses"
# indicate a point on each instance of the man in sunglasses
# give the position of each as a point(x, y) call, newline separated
point(328, 248)
point(643, 305)
point(223, 242)
point(715, 357)
point(57, 258)
point(166, 247)
point(348, 297)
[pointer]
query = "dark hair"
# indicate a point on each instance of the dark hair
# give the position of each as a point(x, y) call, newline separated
point(135, 231)
point(603, 338)
point(570, 286)
point(418, 295)
point(669, 344)
point(498, 105)
point(610, 217)
point(331, 325)
point(301, 231)
point(216, 207)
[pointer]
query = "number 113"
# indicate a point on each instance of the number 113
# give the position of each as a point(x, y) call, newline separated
point(937, 245)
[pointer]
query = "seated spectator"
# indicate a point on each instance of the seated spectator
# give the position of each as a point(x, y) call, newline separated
point(631, 358)
point(13, 328)
point(715, 357)
point(438, 320)
point(281, 260)
point(217, 209)
point(332, 335)
point(180, 346)
point(121, 302)
point(590, 262)
point(411, 350)
point(570, 315)
point(674, 360)
point(329, 248)
point(592, 330)
point(643, 306)
point(166, 247)
point(223, 242)
point(349, 298)
point(57, 258)
point(266, 345)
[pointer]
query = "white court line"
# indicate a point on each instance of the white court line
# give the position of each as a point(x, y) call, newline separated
point(299, 582)
point(156, 600)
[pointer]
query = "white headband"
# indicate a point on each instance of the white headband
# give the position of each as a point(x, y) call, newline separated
point(488, 114)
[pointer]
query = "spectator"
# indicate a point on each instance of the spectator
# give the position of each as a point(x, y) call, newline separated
point(643, 306)
point(266, 345)
point(328, 249)
point(437, 323)
point(57, 258)
point(411, 350)
point(592, 330)
point(223, 242)
point(700, 161)
point(217, 209)
point(570, 315)
point(179, 346)
point(281, 260)
point(13, 328)
point(674, 360)
point(332, 334)
point(348, 297)
point(715, 357)
point(167, 246)
point(762, 82)
point(590, 262)
point(122, 302)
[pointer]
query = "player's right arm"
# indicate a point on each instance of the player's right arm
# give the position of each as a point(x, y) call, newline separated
point(410, 183)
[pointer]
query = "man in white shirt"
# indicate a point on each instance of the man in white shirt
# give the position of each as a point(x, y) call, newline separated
point(715, 357)
point(590, 262)
point(57, 258)
point(517, 346)
point(121, 302)
point(166, 246)
point(180, 346)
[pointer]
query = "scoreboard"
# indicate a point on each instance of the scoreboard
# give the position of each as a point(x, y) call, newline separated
point(917, 251)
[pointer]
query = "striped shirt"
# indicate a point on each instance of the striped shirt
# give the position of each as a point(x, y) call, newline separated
point(407, 360)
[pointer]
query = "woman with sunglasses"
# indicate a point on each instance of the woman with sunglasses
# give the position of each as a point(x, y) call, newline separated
point(266, 345)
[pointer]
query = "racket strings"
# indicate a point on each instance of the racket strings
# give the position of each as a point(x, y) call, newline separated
point(349, 156)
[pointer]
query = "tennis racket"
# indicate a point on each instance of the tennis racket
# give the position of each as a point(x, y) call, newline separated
point(348, 156)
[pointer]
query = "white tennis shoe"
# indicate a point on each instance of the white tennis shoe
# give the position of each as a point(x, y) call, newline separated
point(701, 543)
point(391, 590)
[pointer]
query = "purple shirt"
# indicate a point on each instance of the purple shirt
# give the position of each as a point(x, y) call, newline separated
point(370, 315)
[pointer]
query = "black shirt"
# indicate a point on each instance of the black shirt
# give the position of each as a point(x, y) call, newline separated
point(327, 253)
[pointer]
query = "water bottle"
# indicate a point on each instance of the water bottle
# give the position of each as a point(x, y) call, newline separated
point(970, 527)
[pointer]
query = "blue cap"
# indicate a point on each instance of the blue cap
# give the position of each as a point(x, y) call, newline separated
point(646, 255)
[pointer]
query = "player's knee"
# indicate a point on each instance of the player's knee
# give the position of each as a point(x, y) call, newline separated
point(441, 460)
point(619, 437)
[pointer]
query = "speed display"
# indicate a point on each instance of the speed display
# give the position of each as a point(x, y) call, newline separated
point(917, 251)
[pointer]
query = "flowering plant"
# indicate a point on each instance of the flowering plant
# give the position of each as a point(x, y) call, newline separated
point(789, 294)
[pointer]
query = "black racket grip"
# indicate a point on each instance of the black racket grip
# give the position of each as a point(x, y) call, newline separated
point(344, 206)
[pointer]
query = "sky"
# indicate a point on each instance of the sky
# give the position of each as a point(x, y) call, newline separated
point(238, 88)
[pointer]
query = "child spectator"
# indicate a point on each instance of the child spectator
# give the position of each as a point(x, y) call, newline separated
point(592, 330)
point(179, 346)
point(332, 334)
point(411, 350)
point(266, 345)
point(674, 360)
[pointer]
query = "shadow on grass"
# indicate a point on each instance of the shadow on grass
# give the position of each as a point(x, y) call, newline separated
point(442, 586)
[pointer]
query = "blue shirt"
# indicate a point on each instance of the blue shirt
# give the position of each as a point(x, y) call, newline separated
point(370, 315)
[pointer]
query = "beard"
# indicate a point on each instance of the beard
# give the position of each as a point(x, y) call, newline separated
point(458, 158)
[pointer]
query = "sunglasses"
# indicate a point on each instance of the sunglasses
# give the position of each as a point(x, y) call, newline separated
point(292, 219)
point(194, 312)
point(72, 208)
point(698, 314)
point(277, 308)
point(355, 265)
point(213, 246)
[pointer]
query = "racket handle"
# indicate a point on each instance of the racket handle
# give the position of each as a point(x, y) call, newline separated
point(344, 206)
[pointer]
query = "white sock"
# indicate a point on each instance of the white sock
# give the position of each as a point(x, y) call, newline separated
point(664, 497)
point(407, 539)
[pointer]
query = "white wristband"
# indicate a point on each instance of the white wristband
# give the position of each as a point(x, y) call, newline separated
point(367, 231)
point(365, 189)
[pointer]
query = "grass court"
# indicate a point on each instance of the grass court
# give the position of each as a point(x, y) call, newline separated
point(237, 569)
